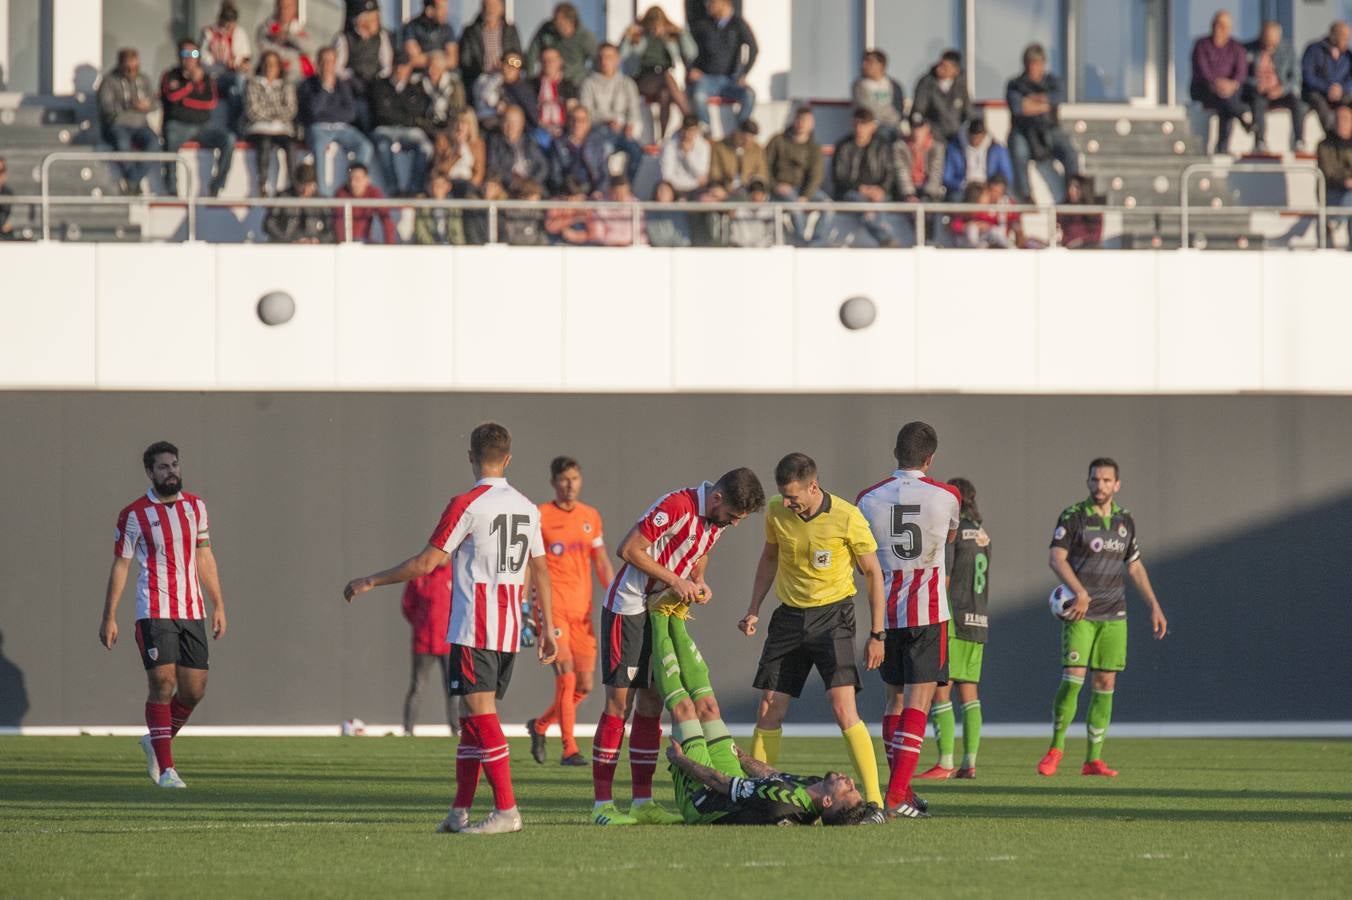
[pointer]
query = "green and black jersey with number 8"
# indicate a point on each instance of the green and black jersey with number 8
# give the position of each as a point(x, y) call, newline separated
point(1098, 549)
point(969, 567)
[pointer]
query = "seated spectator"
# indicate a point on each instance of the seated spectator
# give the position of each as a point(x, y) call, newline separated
point(270, 111)
point(189, 97)
point(879, 93)
point(444, 91)
point(525, 227)
point(1034, 133)
point(794, 161)
point(1079, 231)
point(570, 225)
point(1218, 73)
point(508, 86)
point(6, 209)
point(1272, 83)
point(328, 108)
point(651, 49)
point(941, 97)
point(486, 41)
point(864, 172)
point(359, 187)
point(979, 228)
point(613, 226)
point(554, 96)
point(514, 155)
point(438, 225)
point(686, 159)
point(973, 156)
point(920, 163)
point(565, 33)
point(579, 156)
point(125, 99)
point(461, 156)
point(736, 161)
point(612, 99)
point(719, 68)
point(753, 225)
point(285, 34)
point(1334, 156)
point(1326, 75)
point(300, 225)
point(400, 109)
point(429, 31)
point(227, 57)
point(666, 228)
point(365, 49)
point(1007, 221)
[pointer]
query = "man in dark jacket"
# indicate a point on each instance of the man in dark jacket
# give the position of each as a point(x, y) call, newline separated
point(1219, 71)
point(865, 172)
point(125, 98)
point(1033, 98)
point(564, 32)
point(797, 170)
point(580, 155)
point(429, 31)
point(297, 225)
point(365, 49)
point(513, 155)
point(400, 106)
point(1272, 83)
point(328, 109)
point(879, 93)
point(1335, 162)
point(719, 69)
point(941, 97)
point(1326, 75)
point(485, 41)
point(189, 96)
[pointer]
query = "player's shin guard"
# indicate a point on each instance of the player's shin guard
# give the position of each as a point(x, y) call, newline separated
point(971, 732)
point(565, 686)
point(606, 756)
point(1063, 710)
point(909, 737)
point(159, 722)
point(860, 744)
point(721, 752)
point(645, 741)
point(178, 715)
point(467, 763)
point(891, 722)
point(765, 745)
point(1096, 721)
point(944, 726)
point(496, 760)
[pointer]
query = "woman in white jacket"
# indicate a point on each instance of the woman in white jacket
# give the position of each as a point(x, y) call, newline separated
point(270, 120)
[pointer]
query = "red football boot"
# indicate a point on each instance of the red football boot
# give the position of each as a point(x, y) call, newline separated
point(1098, 767)
point(937, 773)
point(965, 772)
point(1050, 762)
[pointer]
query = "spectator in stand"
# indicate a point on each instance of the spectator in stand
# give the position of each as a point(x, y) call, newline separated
point(486, 41)
point(979, 228)
point(525, 227)
point(720, 68)
point(400, 109)
point(1334, 156)
point(579, 157)
point(920, 162)
point(359, 187)
point(1272, 83)
point(554, 96)
point(125, 98)
point(426, 605)
point(189, 97)
point(613, 226)
point(1007, 221)
point(686, 159)
point(1326, 75)
point(514, 155)
point(865, 172)
point(6, 226)
point(429, 31)
point(570, 224)
point(227, 55)
point(365, 49)
point(438, 225)
point(974, 156)
point(284, 33)
point(796, 167)
point(752, 225)
point(941, 96)
point(328, 108)
point(300, 225)
point(1035, 134)
point(1219, 70)
point(880, 94)
point(270, 110)
point(461, 155)
point(508, 86)
point(612, 99)
point(651, 49)
point(666, 228)
point(444, 91)
point(736, 162)
point(565, 33)
point(1079, 231)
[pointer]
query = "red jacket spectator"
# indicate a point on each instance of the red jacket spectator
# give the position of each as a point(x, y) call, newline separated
point(427, 607)
point(359, 186)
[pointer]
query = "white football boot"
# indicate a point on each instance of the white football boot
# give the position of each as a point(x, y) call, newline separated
point(152, 764)
point(169, 779)
point(499, 821)
point(456, 820)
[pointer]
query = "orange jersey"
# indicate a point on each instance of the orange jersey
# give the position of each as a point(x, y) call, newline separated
point(570, 537)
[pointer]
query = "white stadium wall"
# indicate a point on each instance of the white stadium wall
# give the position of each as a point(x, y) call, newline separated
point(183, 316)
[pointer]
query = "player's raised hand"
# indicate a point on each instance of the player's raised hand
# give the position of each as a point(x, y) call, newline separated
point(674, 751)
point(747, 624)
point(108, 633)
point(1158, 623)
point(357, 586)
point(217, 623)
point(548, 648)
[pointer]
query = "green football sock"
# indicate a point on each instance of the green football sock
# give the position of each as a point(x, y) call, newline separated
point(721, 750)
point(1063, 710)
point(694, 670)
point(942, 716)
point(665, 665)
point(971, 732)
point(697, 749)
point(1096, 720)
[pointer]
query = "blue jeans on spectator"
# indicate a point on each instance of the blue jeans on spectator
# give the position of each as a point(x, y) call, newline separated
point(395, 143)
point(1021, 153)
point(882, 227)
point(825, 218)
point(208, 137)
point(347, 137)
point(230, 87)
point(725, 87)
point(125, 139)
point(619, 142)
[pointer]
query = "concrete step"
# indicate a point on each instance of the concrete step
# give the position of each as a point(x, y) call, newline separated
point(62, 135)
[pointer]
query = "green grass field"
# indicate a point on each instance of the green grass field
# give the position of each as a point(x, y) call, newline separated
point(335, 817)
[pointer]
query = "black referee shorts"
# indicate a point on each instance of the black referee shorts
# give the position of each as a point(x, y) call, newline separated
point(798, 639)
point(916, 655)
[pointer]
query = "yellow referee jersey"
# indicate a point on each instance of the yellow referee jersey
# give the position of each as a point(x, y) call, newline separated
point(817, 557)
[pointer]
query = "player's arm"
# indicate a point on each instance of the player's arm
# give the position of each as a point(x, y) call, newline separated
point(1060, 564)
point(697, 576)
point(538, 574)
point(710, 778)
point(211, 586)
point(760, 586)
point(752, 766)
point(877, 606)
point(117, 580)
point(413, 567)
point(634, 550)
point(1141, 578)
point(602, 567)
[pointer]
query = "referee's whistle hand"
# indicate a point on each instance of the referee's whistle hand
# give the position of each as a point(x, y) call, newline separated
point(747, 625)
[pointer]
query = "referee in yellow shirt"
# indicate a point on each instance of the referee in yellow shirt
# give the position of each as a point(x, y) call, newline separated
point(813, 543)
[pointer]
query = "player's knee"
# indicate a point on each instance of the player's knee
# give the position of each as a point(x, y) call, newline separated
point(617, 703)
point(683, 710)
point(707, 707)
point(1105, 681)
point(649, 703)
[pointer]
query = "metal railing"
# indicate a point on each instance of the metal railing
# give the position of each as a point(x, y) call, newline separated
point(112, 156)
point(1185, 183)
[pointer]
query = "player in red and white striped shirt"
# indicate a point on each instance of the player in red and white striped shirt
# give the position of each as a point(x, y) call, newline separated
point(913, 518)
point(167, 531)
point(665, 552)
point(489, 533)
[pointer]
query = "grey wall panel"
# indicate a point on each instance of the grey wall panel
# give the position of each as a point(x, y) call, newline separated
point(1238, 501)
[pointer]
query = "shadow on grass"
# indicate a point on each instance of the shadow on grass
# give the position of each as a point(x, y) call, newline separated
point(1154, 793)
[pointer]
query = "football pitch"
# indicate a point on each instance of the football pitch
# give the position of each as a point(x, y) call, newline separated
point(329, 817)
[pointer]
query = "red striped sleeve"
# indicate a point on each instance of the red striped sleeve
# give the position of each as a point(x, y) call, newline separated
point(873, 487)
point(450, 519)
point(957, 495)
point(666, 511)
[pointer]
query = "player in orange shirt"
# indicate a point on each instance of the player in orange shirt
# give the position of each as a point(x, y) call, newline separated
point(575, 549)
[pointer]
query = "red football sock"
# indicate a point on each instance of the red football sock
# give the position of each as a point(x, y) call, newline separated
point(564, 687)
point(907, 743)
point(645, 740)
point(496, 760)
point(160, 724)
point(891, 722)
point(467, 764)
point(178, 714)
point(606, 756)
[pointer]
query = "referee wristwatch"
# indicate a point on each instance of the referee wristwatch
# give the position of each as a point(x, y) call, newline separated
point(878, 635)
